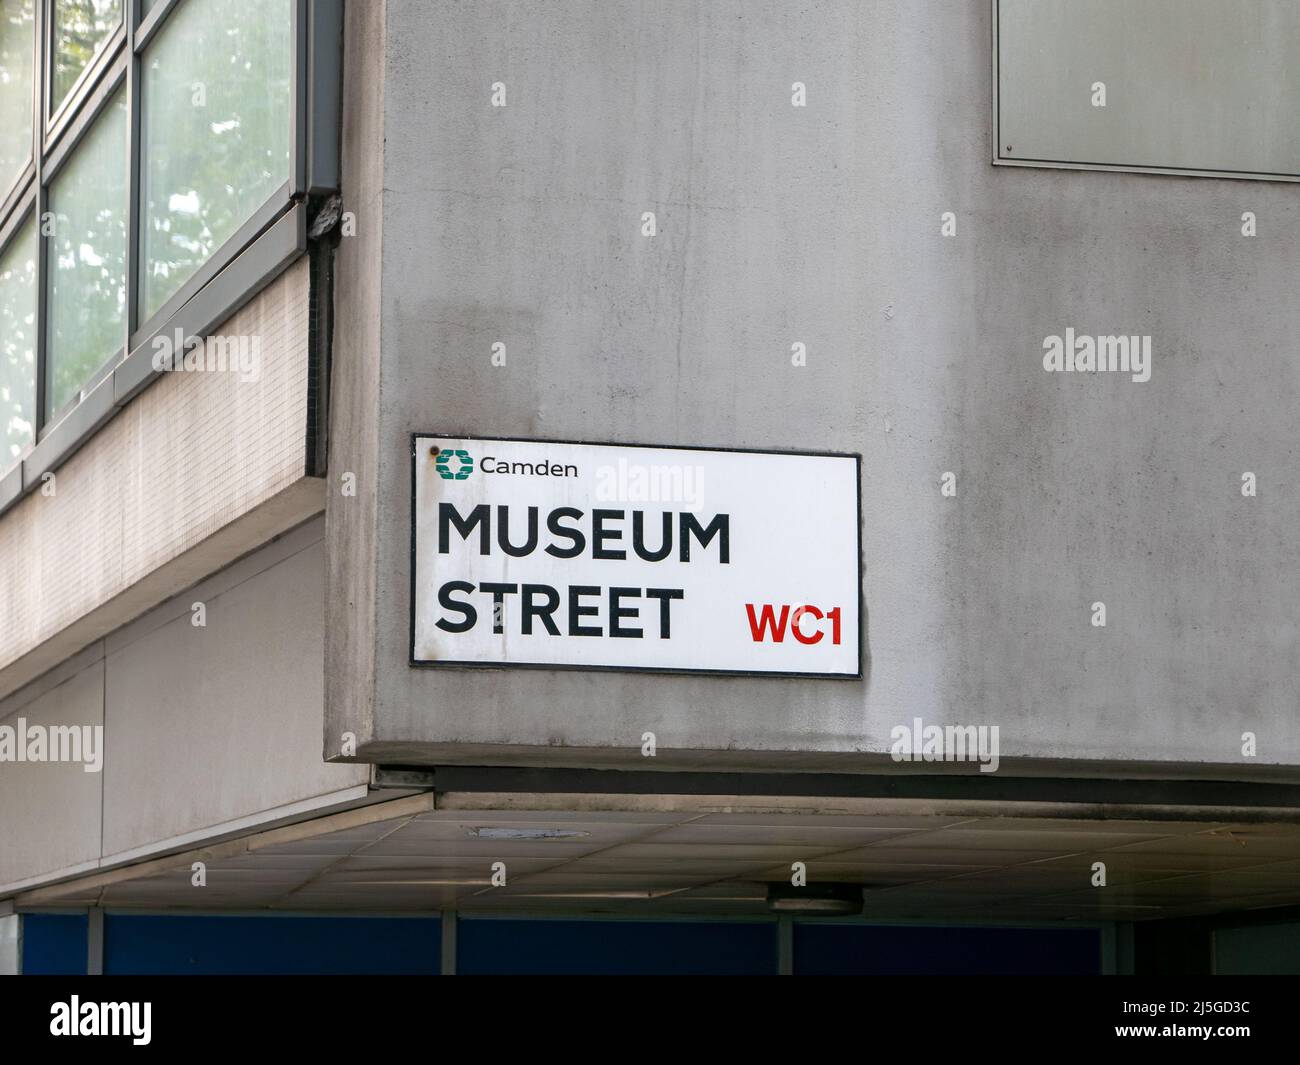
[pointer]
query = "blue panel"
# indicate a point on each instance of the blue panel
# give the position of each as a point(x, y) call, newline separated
point(867, 950)
point(271, 945)
point(614, 948)
point(54, 944)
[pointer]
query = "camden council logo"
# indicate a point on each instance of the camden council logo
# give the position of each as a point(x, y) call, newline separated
point(454, 464)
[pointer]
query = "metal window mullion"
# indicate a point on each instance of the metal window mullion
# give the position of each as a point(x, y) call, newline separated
point(14, 197)
point(133, 168)
point(323, 101)
point(43, 20)
point(50, 163)
point(42, 307)
point(144, 30)
point(45, 71)
point(87, 114)
point(104, 58)
point(298, 96)
point(18, 194)
point(19, 215)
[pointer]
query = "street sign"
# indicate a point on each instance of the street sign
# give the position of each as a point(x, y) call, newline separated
point(613, 556)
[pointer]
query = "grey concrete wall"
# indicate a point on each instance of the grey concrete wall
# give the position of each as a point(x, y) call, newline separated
point(822, 225)
point(196, 471)
point(222, 720)
point(351, 520)
point(51, 818)
point(207, 730)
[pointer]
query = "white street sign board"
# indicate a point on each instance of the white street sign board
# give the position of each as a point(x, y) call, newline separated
point(615, 556)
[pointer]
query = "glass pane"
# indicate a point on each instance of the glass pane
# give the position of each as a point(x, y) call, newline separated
point(17, 48)
point(87, 257)
point(80, 27)
point(216, 131)
point(17, 344)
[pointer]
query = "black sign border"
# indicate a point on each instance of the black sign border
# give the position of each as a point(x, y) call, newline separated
point(430, 663)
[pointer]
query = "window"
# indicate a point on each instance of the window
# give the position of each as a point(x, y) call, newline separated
point(216, 133)
point(80, 29)
point(86, 258)
point(17, 52)
point(145, 149)
point(18, 344)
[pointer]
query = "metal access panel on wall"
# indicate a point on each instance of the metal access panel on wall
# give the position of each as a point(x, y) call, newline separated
point(1208, 87)
point(563, 555)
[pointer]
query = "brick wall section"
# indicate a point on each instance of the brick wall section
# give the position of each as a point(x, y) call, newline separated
point(191, 454)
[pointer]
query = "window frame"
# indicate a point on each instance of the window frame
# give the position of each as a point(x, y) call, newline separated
point(14, 222)
point(273, 236)
point(11, 195)
point(54, 120)
point(94, 104)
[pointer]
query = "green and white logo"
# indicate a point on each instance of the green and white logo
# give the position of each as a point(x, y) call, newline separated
point(463, 468)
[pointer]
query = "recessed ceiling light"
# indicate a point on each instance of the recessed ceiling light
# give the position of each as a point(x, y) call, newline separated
point(815, 898)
